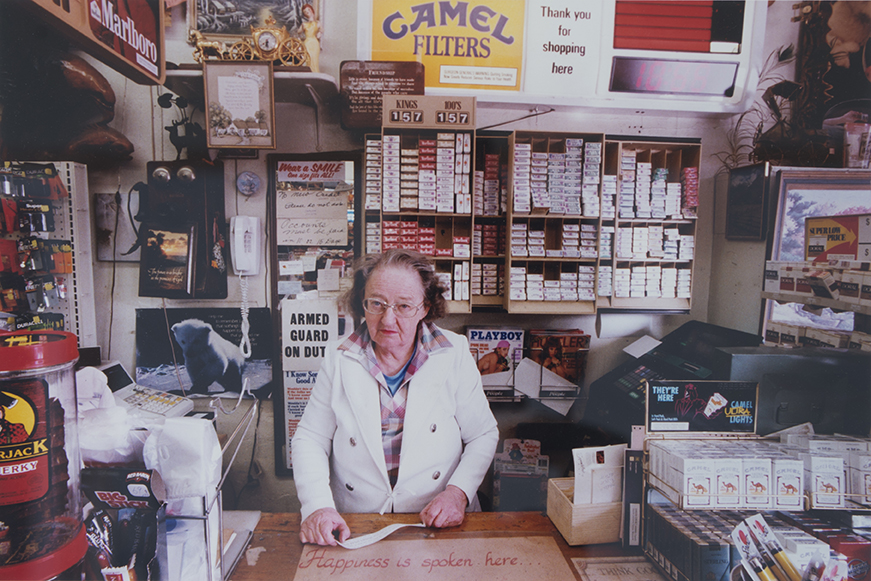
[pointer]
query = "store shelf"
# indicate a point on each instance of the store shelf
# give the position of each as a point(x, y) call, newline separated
point(552, 307)
point(291, 86)
point(817, 302)
point(71, 223)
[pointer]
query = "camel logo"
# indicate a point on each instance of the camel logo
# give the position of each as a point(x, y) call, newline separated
point(17, 419)
point(757, 487)
point(789, 489)
point(828, 487)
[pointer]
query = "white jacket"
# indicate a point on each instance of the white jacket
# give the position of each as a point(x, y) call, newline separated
point(449, 435)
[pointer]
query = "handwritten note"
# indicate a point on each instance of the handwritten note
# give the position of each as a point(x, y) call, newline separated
point(509, 559)
point(312, 232)
point(312, 217)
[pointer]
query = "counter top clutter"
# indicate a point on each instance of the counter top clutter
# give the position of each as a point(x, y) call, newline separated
point(276, 553)
point(695, 545)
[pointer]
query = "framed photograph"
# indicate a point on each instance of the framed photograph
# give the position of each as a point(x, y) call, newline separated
point(804, 193)
point(213, 18)
point(241, 104)
point(746, 203)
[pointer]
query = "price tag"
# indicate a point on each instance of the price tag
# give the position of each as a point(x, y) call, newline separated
point(428, 112)
point(400, 117)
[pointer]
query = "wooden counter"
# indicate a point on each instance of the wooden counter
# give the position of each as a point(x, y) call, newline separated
point(278, 535)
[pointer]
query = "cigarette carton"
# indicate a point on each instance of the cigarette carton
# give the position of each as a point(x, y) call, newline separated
point(860, 477)
point(824, 480)
point(757, 482)
point(728, 481)
point(788, 480)
point(697, 481)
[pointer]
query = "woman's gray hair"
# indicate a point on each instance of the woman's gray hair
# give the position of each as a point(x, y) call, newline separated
point(433, 288)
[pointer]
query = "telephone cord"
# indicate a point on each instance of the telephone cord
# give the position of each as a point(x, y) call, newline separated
point(245, 345)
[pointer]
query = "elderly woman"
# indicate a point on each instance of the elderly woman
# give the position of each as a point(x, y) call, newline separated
point(398, 420)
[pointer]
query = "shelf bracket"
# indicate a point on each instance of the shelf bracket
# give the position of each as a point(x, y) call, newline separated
point(318, 104)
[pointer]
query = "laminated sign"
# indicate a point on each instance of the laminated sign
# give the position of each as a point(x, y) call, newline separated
point(306, 328)
point(701, 406)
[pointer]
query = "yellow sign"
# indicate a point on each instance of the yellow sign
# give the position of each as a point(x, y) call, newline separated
point(462, 45)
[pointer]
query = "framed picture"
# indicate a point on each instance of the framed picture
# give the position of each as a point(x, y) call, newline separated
point(241, 104)
point(746, 215)
point(804, 193)
point(214, 18)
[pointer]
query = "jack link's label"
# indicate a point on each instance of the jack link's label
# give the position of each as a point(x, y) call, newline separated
point(129, 28)
point(24, 442)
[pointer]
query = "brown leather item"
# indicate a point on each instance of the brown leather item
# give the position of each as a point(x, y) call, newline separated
point(99, 145)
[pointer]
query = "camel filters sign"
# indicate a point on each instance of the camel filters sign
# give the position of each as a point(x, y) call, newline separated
point(724, 407)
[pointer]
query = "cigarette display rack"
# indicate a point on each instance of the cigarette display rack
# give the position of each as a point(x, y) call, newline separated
point(540, 222)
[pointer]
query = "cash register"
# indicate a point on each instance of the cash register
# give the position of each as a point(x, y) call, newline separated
point(617, 399)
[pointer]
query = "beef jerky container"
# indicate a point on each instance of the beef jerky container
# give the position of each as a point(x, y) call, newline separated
point(41, 532)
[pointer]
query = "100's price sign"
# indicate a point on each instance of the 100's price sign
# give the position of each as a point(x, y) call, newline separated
point(452, 118)
point(428, 112)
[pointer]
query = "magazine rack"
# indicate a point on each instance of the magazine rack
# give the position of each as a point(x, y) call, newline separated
point(526, 379)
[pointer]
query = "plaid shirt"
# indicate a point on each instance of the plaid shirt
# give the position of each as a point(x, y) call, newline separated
point(429, 339)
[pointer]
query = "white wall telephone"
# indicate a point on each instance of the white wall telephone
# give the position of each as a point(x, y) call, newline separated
point(245, 233)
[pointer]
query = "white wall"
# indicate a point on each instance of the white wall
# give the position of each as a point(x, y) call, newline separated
point(736, 280)
point(727, 275)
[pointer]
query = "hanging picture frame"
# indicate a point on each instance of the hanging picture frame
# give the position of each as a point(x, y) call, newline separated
point(240, 99)
point(212, 18)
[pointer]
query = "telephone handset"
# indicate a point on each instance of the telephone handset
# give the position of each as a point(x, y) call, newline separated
point(246, 243)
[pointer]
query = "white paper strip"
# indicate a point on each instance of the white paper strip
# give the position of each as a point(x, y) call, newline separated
point(366, 540)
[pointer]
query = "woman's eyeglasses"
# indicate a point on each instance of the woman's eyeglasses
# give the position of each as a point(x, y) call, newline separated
point(404, 310)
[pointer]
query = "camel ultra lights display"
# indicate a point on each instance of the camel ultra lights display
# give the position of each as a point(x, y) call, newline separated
point(701, 406)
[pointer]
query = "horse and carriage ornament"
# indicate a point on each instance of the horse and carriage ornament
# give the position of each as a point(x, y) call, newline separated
point(266, 43)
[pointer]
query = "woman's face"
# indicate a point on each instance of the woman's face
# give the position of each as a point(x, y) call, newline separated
point(394, 285)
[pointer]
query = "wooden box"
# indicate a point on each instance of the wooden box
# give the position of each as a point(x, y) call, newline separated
point(581, 524)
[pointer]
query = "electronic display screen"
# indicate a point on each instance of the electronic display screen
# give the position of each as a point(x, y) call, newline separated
point(672, 77)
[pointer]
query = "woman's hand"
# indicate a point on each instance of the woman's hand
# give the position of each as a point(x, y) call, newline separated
point(446, 510)
point(320, 526)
